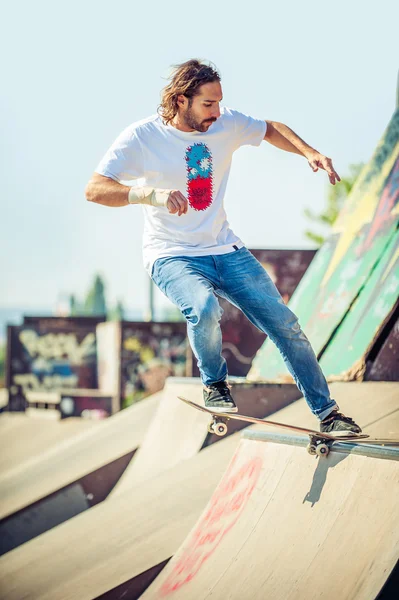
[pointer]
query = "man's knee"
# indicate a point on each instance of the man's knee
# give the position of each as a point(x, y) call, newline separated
point(206, 310)
point(286, 325)
point(292, 330)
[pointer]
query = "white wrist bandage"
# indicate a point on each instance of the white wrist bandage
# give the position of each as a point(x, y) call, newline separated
point(148, 195)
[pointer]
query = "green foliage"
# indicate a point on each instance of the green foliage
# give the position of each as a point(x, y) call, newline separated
point(95, 304)
point(73, 306)
point(336, 198)
point(116, 313)
point(318, 240)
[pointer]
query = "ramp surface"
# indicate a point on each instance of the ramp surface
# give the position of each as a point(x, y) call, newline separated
point(172, 436)
point(118, 539)
point(121, 538)
point(284, 525)
point(74, 458)
point(177, 432)
point(23, 437)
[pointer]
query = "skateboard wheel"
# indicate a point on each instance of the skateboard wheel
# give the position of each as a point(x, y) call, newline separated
point(322, 450)
point(311, 448)
point(220, 429)
point(210, 427)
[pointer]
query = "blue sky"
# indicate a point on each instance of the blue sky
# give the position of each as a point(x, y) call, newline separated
point(75, 74)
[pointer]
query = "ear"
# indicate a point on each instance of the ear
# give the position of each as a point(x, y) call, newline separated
point(181, 100)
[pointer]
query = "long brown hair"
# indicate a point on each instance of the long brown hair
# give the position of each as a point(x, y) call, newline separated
point(185, 79)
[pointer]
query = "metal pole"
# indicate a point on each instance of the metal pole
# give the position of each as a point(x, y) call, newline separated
point(149, 313)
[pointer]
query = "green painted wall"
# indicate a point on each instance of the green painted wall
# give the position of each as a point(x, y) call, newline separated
point(343, 285)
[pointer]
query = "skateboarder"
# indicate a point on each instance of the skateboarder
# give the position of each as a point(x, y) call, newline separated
point(176, 165)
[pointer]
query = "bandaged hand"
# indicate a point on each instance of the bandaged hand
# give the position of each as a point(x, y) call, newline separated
point(173, 200)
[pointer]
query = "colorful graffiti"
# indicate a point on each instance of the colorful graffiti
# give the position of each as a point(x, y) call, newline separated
point(340, 296)
point(46, 359)
point(355, 336)
point(150, 353)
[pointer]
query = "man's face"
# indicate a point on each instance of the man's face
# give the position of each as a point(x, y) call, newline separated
point(204, 109)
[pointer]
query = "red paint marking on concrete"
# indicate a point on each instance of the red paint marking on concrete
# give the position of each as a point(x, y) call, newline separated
point(226, 505)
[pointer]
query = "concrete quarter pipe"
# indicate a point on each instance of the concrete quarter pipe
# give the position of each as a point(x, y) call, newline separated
point(284, 525)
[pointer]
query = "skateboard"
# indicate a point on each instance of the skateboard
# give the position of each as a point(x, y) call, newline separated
point(319, 443)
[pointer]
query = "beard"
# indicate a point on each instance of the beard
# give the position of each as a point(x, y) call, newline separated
point(192, 121)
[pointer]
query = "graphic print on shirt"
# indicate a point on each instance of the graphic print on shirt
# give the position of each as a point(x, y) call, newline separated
point(199, 176)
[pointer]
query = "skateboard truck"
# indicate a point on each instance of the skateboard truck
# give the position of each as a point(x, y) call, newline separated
point(318, 445)
point(218, 426)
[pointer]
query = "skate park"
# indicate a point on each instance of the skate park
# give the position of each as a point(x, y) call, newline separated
point(111, 487)
point(185, 509)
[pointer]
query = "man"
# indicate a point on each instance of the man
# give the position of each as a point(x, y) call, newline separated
point(176, 164)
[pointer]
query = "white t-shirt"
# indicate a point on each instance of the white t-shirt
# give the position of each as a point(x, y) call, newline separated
point(195, 163)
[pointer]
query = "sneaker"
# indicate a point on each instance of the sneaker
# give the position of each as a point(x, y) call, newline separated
point(338, 424)
point(217, 398)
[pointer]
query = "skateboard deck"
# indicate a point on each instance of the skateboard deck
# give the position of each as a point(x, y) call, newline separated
point(319, 443)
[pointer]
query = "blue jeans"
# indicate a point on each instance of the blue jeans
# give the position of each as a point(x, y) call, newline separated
point(192, 283)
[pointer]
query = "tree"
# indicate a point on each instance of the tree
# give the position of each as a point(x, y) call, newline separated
point(95, 303)
point(117, 313)
point(73, 306)
point(336, 198)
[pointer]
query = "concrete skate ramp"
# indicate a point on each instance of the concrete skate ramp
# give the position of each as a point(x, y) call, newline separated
point(74, 458)
point(118, 539)
point(350, 289)
point(115, 543)
point(172, 436)
point(282, 524)
point(178, 432)
point(23, 437)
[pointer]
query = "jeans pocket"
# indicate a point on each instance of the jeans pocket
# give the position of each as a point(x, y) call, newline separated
point(156, 273)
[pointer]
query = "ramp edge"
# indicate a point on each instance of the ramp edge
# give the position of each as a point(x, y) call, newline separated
point(362, 448)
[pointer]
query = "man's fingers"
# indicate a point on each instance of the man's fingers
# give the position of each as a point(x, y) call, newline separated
point(332, 174)
point(183, 202)
point(180, 204)
point(334, 177)
point(172, 205)
point(177, 203)
point(322, 162)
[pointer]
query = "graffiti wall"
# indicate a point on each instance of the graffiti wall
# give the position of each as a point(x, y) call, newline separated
point(384, 365)
point(49, 354)
point(241, 339)
point(345, 357)
point(352, 284)
point(151, 352)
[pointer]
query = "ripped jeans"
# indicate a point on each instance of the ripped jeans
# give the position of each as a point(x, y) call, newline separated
point(192, 283)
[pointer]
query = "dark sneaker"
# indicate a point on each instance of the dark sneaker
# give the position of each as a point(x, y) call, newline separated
point(338, 424)
point(217, 397)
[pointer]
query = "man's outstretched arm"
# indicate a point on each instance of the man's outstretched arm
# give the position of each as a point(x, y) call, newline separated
point(283, 137)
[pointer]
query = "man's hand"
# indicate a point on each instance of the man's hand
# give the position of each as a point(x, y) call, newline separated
point(177, 203)
point(318, 161)
point(283, 137)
